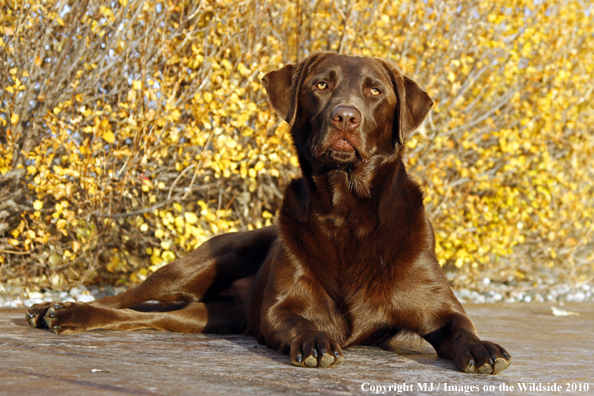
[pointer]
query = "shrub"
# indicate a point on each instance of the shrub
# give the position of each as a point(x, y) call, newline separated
point(132, 131)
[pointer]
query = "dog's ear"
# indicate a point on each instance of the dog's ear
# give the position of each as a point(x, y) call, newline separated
point(412, 107)
point(278, 86)
point(283, 85)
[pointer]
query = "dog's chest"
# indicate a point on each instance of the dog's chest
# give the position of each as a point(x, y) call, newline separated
point(339, 212)
point(371, 312)
point(346, 225)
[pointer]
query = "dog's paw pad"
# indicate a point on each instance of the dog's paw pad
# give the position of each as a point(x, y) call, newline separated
point(311, 361)
point(500, 365)
point(486, 369)
point(470, 369)
point(326, 360)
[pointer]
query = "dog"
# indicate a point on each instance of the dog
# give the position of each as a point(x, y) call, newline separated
point(351, 258)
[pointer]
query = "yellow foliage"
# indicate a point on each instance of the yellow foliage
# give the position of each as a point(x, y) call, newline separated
point(143, 129)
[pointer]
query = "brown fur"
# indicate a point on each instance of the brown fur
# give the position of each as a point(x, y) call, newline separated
point(351, 259)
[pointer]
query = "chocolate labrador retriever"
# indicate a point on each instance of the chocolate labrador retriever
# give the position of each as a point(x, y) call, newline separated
point(351, 259)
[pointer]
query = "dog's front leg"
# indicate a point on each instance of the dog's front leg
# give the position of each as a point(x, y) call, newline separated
point(294, 315)
point(456, 339)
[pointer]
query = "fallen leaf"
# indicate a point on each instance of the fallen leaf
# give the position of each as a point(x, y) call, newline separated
point(561, 312)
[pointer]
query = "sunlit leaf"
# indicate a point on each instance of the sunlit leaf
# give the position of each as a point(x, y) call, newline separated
point(108, 136)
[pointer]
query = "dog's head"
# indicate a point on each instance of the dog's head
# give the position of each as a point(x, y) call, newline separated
point(344, 110)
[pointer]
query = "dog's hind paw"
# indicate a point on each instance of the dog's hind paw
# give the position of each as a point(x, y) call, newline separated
point(36, 313)
point(66, 317)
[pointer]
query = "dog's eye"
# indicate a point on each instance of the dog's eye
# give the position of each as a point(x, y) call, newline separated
point(375, 91)
point(322, 85)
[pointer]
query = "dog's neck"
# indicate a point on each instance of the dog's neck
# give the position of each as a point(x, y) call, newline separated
point(341, 199)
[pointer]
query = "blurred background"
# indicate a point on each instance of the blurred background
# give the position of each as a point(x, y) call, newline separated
point(132, 131)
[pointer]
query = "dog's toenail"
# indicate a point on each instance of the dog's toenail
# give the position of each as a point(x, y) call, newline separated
point(299, 358)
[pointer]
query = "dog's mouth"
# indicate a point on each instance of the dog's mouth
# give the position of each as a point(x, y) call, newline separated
point(340, 147)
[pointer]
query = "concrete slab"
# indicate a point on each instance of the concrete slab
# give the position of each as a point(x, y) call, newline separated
point(546, 350)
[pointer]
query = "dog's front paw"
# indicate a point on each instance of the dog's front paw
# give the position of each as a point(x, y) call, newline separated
point(66, 317)
point(315, 350)
point(483, 357)
point(36, 313)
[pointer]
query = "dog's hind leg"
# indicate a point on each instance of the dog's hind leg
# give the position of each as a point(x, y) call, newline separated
point(203, 275)
point(167, 285)
point(224, 316)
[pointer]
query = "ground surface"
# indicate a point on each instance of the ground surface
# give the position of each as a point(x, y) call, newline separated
point(546, 350)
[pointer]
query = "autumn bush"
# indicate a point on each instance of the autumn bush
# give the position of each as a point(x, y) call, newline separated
point(132, 131)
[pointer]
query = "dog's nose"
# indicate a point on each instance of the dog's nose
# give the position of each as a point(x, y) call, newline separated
point(346, 118)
